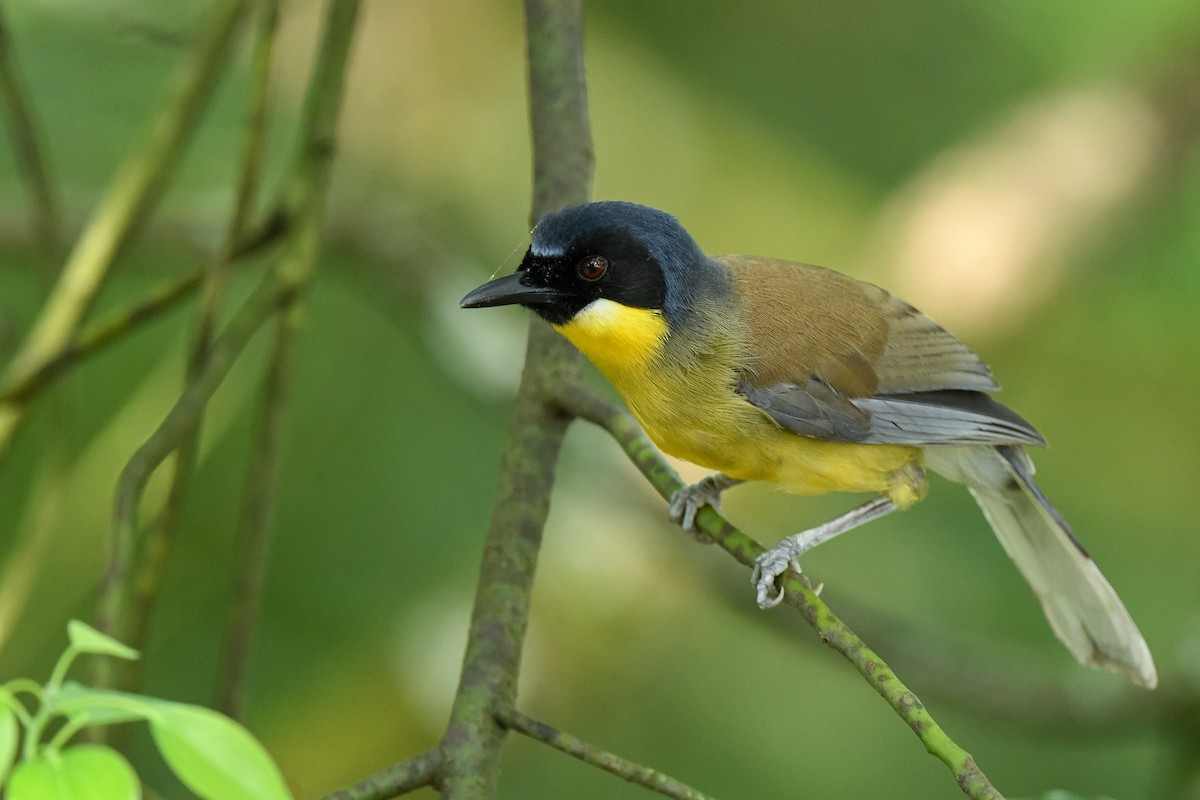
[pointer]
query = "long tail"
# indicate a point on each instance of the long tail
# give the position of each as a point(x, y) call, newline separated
point(1082, 607)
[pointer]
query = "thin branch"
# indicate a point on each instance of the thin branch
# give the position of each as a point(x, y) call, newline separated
point(30, 156)
point(562, 154)
point(129, 200)
point(117, 325)
point(833, 632)
point(100, 335)
point(562, 141)
point(597, 757)
point(398, 779)
point(254, 533)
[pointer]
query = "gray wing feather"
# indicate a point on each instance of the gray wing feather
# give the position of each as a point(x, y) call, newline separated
point(945, 417)
point(921, 356)
point(915, 418)
point(812, 410)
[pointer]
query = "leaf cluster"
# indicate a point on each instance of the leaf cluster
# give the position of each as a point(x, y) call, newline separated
point(40, 759)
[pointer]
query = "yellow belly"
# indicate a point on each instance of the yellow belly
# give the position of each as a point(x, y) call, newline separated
point(738, 439)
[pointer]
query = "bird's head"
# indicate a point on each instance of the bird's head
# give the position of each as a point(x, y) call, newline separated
point(586, 260)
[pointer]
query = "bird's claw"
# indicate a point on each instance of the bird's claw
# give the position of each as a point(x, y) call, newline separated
point(768, 567)
point(687, 502)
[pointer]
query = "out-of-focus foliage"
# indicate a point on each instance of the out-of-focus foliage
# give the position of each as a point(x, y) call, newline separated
point(210, 753)
point(850, 135)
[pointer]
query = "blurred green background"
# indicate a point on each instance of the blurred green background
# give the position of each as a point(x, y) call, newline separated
point(1026, 173)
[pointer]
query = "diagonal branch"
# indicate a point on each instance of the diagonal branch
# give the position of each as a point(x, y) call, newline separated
point(267, 298)
point(407, 776)
point(560, 740)
point(833, 632)
point(129, 199)
point(279, 290)
point(116, 325)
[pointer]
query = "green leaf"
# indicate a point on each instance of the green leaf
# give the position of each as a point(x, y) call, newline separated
point(9, 734)
point(214, 756)
point(101, 706)
point(83, 772)
point(87, 639)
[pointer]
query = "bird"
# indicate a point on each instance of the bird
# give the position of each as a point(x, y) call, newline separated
point(770, 370)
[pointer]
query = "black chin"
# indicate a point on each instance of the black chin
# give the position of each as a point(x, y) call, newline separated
point(561, 311)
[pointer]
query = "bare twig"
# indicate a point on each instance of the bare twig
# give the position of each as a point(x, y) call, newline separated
point(279, 290)
point(466, 762)
point(254, 532)
point(398, 779)
point(833, 632)
point(649, 778)
point(99, 335)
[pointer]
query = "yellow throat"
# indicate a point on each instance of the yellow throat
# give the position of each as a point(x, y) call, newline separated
point(615, 337)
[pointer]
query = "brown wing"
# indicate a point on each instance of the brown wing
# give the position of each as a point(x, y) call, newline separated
point(836, 358)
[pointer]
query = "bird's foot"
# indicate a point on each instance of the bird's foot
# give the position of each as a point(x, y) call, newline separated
point(688, 501)
point(769, 566)
point(774, 562)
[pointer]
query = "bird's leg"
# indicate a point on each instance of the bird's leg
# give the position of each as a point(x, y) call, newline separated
point(773, 563)
point(690, 499)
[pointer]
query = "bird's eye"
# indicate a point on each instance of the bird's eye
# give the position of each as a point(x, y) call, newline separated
point(592, 268)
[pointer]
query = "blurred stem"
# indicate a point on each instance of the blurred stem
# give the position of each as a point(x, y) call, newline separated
point(280, 289)
point(35, 535)
point(295, 268)
point(562, 168)
point(833, 632)
point(117, 325)
point(30, 156)
point(254, 533)
point(651, 779)
point(129, 200)
point(98, 336)
point(178, 424)
point(152, 557)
